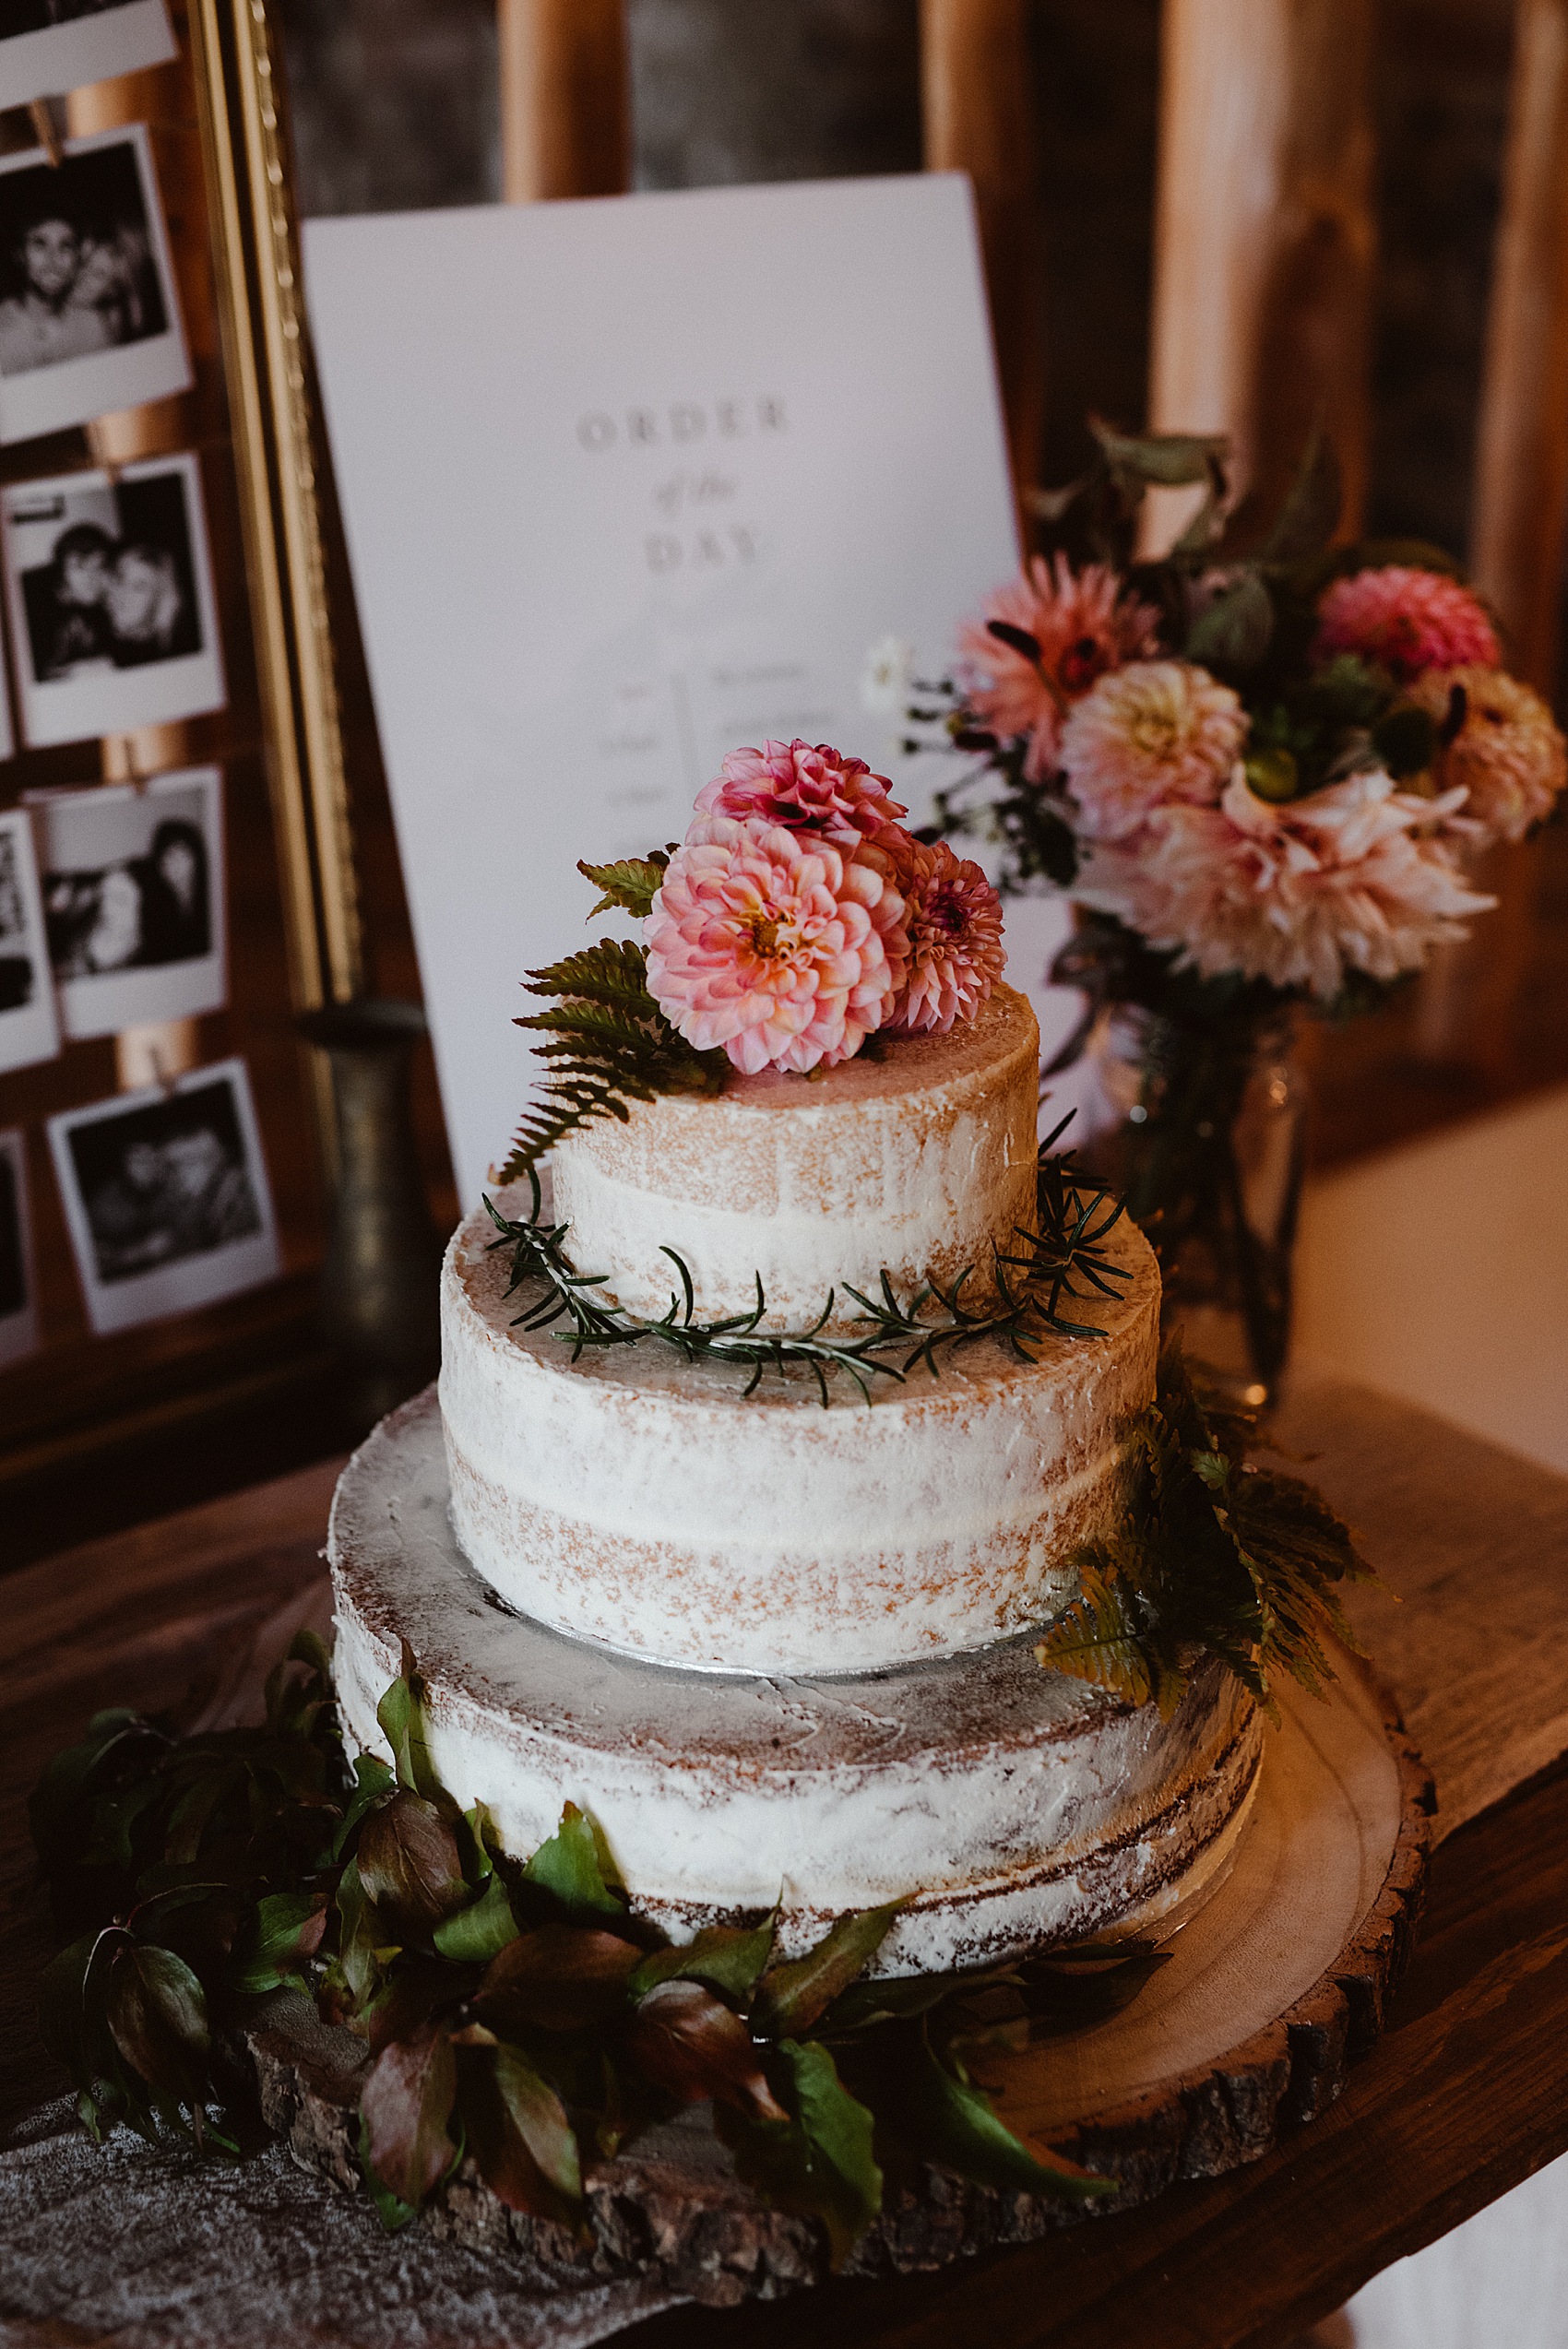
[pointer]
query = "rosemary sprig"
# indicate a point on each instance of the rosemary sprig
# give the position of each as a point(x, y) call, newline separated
point(1064, 1259)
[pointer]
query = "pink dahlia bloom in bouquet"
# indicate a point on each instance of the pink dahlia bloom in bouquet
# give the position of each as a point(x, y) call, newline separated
point(1355, 878)
point(1153, 732)
point(782, 946)
point(1040, 643)
point(1406, 621)
point(807, 787)
point(952, 919)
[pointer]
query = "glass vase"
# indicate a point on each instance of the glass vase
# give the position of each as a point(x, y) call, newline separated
point(1207, 1153)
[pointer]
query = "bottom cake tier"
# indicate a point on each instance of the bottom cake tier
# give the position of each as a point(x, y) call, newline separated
point(1014, 1808)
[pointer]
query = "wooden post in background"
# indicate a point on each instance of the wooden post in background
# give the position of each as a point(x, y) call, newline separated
point(977, 91)
point(1465, 1013)
point(1264, 239)
point(566, 114)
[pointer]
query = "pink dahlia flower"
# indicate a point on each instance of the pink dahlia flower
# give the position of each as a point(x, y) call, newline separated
point(1354, 877)
point(805, 787)
point(954, 919)
point(1405, 620)
point(1507, 756)
point(1083, 625)
point(1152, 731)
point(784, 948)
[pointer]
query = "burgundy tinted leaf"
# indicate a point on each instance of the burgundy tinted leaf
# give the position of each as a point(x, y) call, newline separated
point(688, 2043)
point(410, 1864)
point(418, 1990)
point(559, 1977)
point(405, 2102)
point(521, 2135)
point(157, 2015)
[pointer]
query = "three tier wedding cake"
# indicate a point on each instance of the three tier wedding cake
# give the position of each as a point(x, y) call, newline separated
point(764, 1443)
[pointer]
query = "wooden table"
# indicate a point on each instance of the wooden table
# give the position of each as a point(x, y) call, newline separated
point(1466, 2095)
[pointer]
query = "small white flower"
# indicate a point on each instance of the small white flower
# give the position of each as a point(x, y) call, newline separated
point(885, 681)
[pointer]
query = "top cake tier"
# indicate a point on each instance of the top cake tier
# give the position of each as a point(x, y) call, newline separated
point(919, 1162)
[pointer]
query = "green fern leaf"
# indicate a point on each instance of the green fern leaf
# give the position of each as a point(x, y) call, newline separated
point(629, 885)
point(607, 1044)
point(1099, 1639)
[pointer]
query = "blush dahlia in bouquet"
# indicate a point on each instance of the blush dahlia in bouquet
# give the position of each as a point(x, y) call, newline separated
point(1260, 769)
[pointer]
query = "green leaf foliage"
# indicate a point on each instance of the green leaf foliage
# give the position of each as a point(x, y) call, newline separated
point(575, 1869)
point(1232, 633)
point(512, 2009)
point(955, 2123)
point(817, 2156)
point(1310, 516)
point(799, 1992)
point(285, 1934)
point(728, 1958)
point(1213, 1554)
point(477, 1933)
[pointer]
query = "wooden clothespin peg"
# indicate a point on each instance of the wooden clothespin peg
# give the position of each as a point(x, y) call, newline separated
point(98, 449)
point(43, 126)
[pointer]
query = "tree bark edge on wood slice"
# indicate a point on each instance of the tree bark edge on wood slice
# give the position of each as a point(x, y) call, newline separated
point(671, 2205)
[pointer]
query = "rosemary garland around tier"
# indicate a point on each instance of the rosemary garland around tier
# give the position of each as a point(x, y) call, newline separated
point(1066, 1249)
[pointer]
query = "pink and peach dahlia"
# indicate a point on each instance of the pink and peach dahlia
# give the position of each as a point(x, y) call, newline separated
point(1153, 731)
point(1084, 623)
point(954, 919)
point(1408, 621)
point(783, 947)
point(805, 786)
point(1507, 756)
point(1351, 878)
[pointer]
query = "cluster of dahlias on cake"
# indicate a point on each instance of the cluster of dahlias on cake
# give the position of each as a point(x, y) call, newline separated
point(799, 917)
point(1272, 772)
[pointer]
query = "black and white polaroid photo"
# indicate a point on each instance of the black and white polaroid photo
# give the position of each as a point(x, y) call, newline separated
point(18, 1304)
point(132, 881)
point(166, 1197)
point(89, 318)
point(29, 1030)
point(109, 584)
point(48, 47)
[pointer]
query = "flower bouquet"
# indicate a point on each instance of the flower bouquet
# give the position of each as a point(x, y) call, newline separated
point(1258, 770)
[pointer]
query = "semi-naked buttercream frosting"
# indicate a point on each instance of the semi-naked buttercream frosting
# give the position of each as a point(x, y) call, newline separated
point(917, 1159)
point(630, 1497)
point(1016, 1807)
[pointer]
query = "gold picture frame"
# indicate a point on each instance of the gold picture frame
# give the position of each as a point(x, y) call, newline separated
point(261, 314)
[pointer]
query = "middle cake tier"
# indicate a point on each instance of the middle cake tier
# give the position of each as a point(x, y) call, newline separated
point(635, 1498)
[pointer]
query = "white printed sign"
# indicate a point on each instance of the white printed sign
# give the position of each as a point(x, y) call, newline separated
point(628, 483)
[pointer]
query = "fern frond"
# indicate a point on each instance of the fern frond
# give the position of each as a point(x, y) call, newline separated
point(1099, 1639)
point(630, 884)
point(607, 1044)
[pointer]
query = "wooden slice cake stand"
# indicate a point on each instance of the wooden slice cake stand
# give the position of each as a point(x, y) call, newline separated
point(1245, 2033)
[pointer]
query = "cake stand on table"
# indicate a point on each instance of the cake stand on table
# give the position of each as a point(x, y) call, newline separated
point(1313, 1870)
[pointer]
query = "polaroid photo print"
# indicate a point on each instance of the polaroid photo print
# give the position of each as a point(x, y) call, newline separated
point(109, 584)
point(48, 47)
point(89, 318)
point(28, 1029)
point(18, 1304)
point(132, 881)
point(166, 1197)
